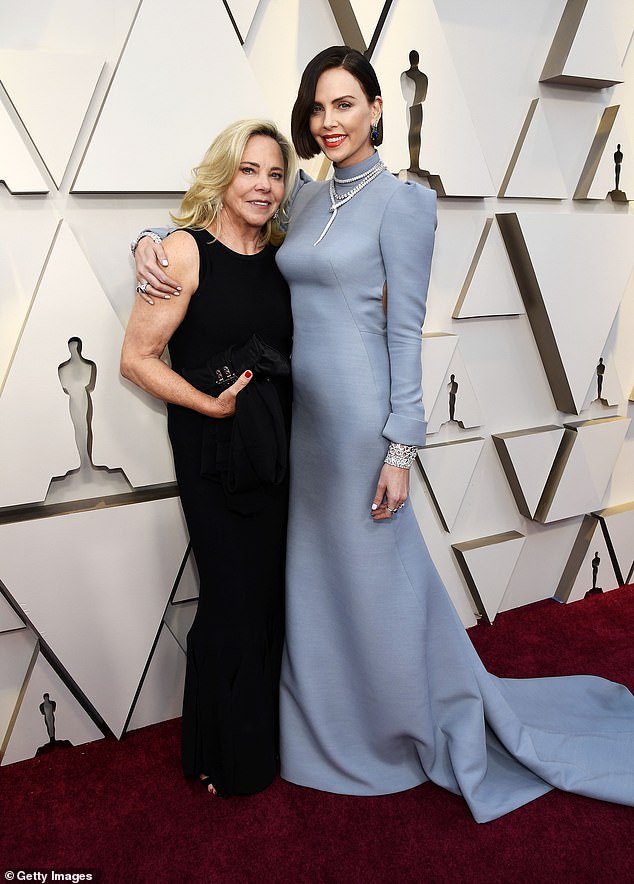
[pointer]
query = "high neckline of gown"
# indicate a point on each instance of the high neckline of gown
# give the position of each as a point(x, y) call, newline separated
point(357, 169)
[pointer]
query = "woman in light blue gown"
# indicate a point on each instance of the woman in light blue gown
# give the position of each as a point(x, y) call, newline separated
point(381, 688)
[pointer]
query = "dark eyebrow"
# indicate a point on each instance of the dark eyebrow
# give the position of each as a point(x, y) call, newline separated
point(341, 98)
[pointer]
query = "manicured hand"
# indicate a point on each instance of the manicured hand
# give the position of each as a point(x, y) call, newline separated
point(227, 399)
point(150, 258)
point(392, 491)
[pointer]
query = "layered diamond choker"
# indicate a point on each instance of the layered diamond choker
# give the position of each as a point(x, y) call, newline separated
point(337, 199)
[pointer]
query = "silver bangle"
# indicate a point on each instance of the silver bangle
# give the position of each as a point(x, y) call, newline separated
point(153, 236)
point(399, 455)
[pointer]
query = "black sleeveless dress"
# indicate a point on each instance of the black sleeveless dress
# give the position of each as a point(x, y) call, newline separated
point(230, 705)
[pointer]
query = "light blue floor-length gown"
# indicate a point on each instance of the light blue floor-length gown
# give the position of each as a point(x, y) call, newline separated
point(381, 687)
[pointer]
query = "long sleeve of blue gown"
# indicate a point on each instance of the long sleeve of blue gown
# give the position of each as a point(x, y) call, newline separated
point(407, 242)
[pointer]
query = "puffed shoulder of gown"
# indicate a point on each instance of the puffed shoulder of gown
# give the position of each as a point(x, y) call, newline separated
point(406, 240)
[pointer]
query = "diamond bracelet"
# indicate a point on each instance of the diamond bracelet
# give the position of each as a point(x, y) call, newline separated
point(137, 239)
point(399, 455)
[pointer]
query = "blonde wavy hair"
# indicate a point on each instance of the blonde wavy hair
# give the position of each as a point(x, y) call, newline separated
point(202, 204)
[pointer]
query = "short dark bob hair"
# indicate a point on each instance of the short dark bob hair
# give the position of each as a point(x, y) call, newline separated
point(334, 57)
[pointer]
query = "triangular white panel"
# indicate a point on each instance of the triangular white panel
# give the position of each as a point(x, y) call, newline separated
point(467, 410)
point(593, 55)
point(9, 620)
point(602, 440)
point(598, 555)
point(95, 585)
point(29, 733)
point(243, 12)
point(187, 108)
point(490, 288)
point(179, 619)
point(534, 171)
point(449, 145)
point(611, 388)
point(541, 562)
point(17, 169)
point(530, 455)
point(34, 412)
point(573, 253)
point(588, 468)
point(161, 696)
point(17, 651)
point(25, 239)
point(367, 13)
point(189, 583)
point(61, 77)
point(575, 492)
point(448, 470)
point(490, 562)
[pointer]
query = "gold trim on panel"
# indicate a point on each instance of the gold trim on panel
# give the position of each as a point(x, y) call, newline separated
point(434, 499)
point(472, 268)
point(499, 440)
point(575, 559)
point(614, 510)
point(21, 694)
point(28, 512)
point(511, 475)
point(563, 40)
point(536, 311)
point(518, 147)
point(610, 546)
point(56, 665)
point(427, 480)
point(379, 27)
point(553, 71)
point(466, 546)
point(596, 152)
point(603, 516)
point(80, 163)
point(554, 477)
point(348, 25)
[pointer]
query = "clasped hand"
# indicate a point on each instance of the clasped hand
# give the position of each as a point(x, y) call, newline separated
point(226, 402)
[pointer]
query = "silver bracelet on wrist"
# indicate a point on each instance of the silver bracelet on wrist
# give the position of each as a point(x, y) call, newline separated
point(137, 239)
point(399, 455)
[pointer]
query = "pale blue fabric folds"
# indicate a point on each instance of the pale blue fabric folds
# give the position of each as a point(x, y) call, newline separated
point(381, 687)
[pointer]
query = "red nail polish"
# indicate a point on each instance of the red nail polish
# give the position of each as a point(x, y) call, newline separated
point(247, 374)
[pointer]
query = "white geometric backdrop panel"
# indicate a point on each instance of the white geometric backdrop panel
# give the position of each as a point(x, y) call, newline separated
point(526, 487)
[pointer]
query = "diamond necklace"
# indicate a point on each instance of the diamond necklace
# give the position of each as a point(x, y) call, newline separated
point(337, 199)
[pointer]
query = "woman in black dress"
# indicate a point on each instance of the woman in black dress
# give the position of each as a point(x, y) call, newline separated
point(231, 289)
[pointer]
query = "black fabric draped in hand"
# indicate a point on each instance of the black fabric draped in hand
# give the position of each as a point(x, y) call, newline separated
point(249, 450)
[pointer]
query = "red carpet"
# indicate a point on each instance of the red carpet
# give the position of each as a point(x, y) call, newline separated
point(123, 810)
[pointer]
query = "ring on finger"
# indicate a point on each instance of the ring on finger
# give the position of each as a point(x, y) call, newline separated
point(142, 288)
